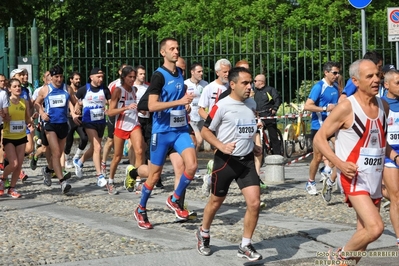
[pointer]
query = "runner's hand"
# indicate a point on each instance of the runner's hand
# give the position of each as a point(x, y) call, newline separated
point(349, 169)
point(228, 148)
point(257, 150)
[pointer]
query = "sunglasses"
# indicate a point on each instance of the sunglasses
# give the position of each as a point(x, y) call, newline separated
point(334, 73)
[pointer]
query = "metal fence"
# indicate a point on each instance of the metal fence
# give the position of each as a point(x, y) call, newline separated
point(286, 56)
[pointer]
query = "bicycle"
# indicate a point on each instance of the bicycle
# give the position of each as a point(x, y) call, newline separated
point(265, 141)
point(295, 132)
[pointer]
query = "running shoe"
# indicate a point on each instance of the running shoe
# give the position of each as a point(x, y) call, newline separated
point(129, 181)
point(203, 247)
point(248, 252)
point(68, 162)
point(206, 186)
point(101, 181)
point(46, 177)
point(138, 186)
point(180, 212)
point(65, 187)
point(197, 174)
point(111, 189)
point(7, 183)
point(209, 167)
point(78, 168)
point(324, 174)
point(66, 175)
point(1, 187)
point(23, 176)
point(327, 189)
point(13, 193)
point(142, 219)
point(159, 184)
point(103, 167)
point(33, 162)
point(262, 184)
point(311, 188)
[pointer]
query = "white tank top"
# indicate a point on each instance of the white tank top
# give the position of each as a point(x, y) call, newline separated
point(128, 119)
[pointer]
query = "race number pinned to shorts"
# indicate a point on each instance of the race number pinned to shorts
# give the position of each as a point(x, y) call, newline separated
point(245, 128)
point(96, 114)
point(17, 126)
point(178, 118)
point(57, 100)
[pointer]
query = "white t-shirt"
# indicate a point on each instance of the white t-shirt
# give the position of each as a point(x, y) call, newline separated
point(4, 102)
point(196, 89)
point(235, 121)
point(141, 89)
point(211, 94)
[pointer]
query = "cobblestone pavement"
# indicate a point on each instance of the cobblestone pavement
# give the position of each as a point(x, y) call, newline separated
point(46, 227)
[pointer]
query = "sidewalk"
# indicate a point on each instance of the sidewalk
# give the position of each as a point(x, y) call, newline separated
point(87, 228)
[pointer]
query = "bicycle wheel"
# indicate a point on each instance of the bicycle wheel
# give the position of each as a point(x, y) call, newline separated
point(301, 136)
point(289, 148)
point(280, 138)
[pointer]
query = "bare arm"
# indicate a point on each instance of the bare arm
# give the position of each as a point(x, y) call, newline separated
point(339, 118)
point(154, 105)
point(202, 113)
point(312, 107)
point(39, 103)
point(115, 96)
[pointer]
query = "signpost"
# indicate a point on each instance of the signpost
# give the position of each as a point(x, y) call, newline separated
point(362, 4)
point(393, 29)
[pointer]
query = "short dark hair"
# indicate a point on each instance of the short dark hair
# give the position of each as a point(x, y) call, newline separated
point(373, 56)
point(329, 65)
point(140, 67)
point(74, 73)
point(125, 71)
point(235, 72)
point(164, 40)
point(194, 65)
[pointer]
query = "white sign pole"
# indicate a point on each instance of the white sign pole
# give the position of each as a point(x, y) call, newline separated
point(364, 39)
point(397, 55)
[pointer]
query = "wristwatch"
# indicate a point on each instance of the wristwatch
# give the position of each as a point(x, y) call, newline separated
point(324, 108)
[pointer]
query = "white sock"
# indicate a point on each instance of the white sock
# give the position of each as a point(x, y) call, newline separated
point(110, 181)
point(327, 168)
point(245, 242)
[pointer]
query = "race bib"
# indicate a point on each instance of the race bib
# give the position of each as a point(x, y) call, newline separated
point(178, 118)
point(245, 128)
point(96, 114)
point(57, 101)
point(371, 160)
point(17, 126)
point(127, 103)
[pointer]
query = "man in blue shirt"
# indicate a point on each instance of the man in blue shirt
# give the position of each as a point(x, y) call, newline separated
point(322, 99)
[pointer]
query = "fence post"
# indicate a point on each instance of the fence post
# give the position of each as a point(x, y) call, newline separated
point(11, 45)
point(35, 55)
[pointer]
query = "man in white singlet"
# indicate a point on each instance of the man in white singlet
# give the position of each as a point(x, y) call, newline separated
point(360, 148)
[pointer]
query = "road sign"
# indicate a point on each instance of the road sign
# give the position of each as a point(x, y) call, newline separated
point(359, 4)
point(393, 24)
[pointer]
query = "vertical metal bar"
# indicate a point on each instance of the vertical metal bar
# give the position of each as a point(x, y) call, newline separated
point(35, 55)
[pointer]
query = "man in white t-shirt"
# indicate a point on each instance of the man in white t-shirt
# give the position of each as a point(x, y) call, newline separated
point(195, 85)
point(212, 91)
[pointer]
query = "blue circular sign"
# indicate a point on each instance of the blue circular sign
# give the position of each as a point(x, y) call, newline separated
point(359, 4)
point(394, 16)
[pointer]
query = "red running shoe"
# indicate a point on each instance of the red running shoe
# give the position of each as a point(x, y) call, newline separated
point(180, 212)
point(142, 219)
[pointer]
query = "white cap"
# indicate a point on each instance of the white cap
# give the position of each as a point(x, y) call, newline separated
point(15, 71)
